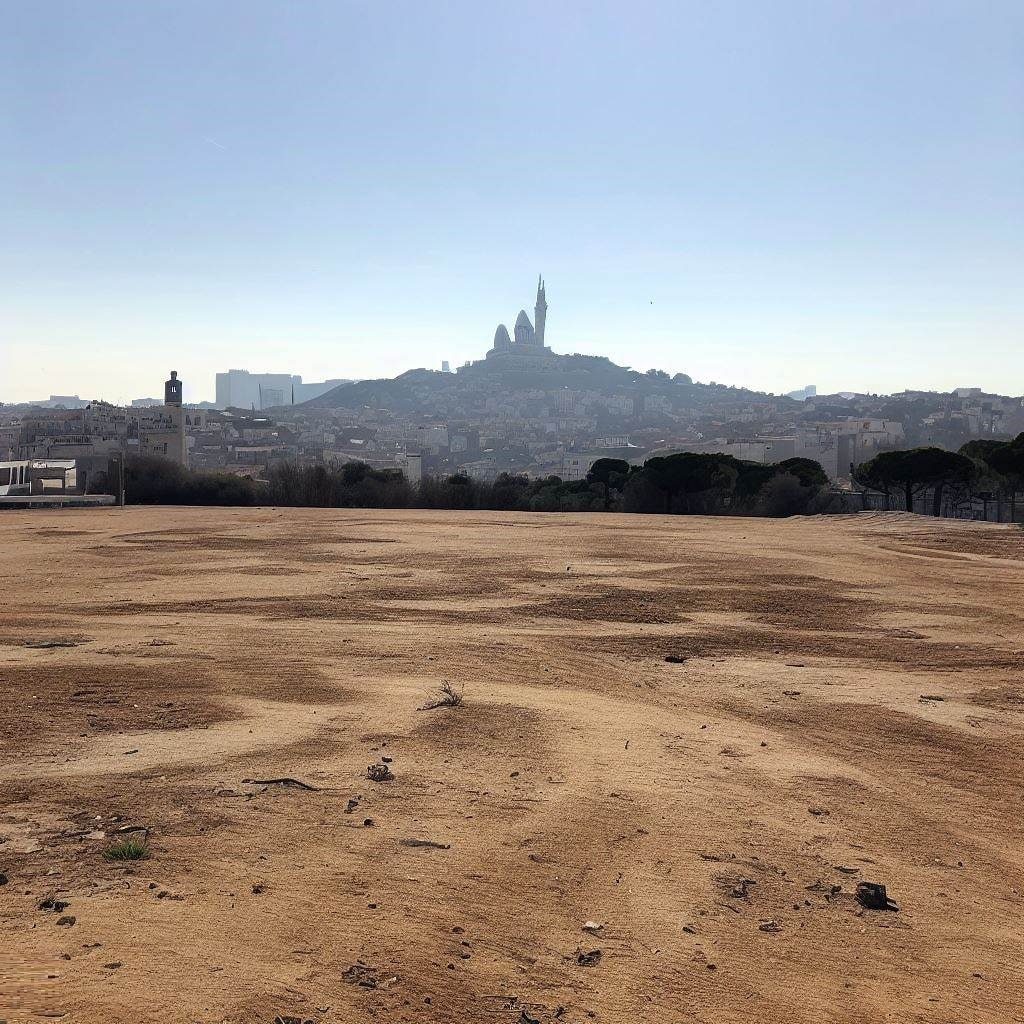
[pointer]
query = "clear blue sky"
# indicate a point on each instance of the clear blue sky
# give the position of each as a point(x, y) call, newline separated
point(768, 194)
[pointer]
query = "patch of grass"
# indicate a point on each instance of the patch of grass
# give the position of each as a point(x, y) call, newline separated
point(127, 849)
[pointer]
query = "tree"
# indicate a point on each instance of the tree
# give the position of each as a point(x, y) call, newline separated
point(808, 471)
point(1008, 461)
point(689, 473)
point(942, 469)
point(609, 473)
point(784, 495)
point(915, 471)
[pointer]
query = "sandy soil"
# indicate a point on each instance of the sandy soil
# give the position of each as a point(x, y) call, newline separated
point(845, 703)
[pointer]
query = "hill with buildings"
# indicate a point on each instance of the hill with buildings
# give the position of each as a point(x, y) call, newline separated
point(522, 408)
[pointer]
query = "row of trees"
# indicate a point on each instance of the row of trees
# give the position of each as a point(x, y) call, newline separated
point(685, 484)
point(979, 470)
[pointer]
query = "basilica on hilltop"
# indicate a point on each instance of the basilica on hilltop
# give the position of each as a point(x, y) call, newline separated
point(529, 338)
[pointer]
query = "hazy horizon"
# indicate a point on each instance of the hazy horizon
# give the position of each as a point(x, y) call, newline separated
point(765, 195)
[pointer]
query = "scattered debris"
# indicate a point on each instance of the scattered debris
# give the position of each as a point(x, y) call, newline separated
point(379, 773)
point(428, 844)
point(741, 890)
point(873, 896)
point(367, 977)
point(126, 830)
point(829, 890)
point(280, 782)
point(588, 958)
point(54, 904)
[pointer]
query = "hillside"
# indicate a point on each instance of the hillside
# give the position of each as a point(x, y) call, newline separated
point(428, 391)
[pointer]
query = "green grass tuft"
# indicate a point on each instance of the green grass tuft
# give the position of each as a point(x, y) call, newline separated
point(127, 849)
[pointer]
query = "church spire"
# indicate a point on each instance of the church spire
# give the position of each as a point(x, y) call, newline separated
point(540, 311)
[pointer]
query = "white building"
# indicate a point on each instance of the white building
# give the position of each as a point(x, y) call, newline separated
point(240, 389)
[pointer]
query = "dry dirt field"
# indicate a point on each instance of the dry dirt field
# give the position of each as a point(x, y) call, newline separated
point(845, 702)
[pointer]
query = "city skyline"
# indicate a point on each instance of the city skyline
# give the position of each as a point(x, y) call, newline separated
point(759, 196)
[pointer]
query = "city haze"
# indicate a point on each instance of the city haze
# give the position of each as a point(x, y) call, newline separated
point(761, 195)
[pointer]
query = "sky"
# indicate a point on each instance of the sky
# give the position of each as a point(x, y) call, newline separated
point(767, 194)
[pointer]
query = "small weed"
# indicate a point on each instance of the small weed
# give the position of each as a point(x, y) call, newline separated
point(449, 698)
point(127, 849)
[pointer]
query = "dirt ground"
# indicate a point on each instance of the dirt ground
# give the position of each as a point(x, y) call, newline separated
point(845, 702)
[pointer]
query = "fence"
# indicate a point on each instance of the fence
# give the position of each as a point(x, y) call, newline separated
point(989, 508)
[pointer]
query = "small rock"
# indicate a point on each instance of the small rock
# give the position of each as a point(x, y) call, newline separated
point(66, 921)
point(54, 904)
point(873, 896)
point(588, 958)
